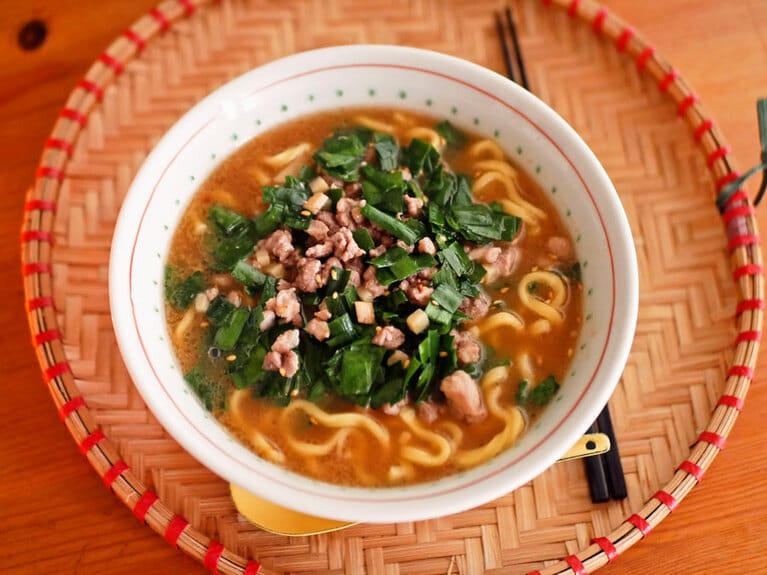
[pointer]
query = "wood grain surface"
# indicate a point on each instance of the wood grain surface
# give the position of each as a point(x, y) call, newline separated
point(56, 516)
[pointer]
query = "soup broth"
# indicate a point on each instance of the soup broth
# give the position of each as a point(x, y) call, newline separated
point(526, 318)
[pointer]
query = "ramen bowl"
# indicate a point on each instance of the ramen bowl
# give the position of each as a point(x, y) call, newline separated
point(470, 97)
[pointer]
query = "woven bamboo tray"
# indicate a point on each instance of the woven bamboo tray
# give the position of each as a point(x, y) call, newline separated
point(701, 282)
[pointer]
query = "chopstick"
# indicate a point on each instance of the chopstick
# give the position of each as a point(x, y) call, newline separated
point(604, 472)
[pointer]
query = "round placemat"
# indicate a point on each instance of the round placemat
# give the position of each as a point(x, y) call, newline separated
point(701, 293)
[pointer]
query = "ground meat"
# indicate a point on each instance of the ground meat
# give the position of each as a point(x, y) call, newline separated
point(280, 245)
point(352, 189)
point(328, 219)
point(211, 293)
point(286, 305)
point(354, 278)
point(466, 347)
point(407, 247)
point(476, 307)
point(345, 248)
point(320, 250)
point(559, 247)
point(370, 282)
point(285, 363)
point(308, 278)
point(268, 321)
point(418, 293)
point(395, 408)
point(377, 251)
point(329, 264)
point(464, 396)
point(323, 313)
point(427, 273)
point(426, 246)
point(414, 205)
point(389, 337)
point(318, 328)
point(505, 263)
point(485, 254)
point(318, 230)
point(427, 412)
point(234, 297)
point(286, 341)
point(348, 213)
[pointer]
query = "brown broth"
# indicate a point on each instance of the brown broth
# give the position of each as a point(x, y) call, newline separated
point(234, 185)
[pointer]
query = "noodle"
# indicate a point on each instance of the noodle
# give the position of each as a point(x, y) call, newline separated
point(501, 319)
point(263, 445)
point(283, 158)
point(339, 420)
point(486, 148)
point(426, 134)
point(420, 456)
point(549, 310)
point(376, 125)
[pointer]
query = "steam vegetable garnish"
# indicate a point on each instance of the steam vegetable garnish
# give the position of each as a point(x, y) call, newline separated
point(354, 281)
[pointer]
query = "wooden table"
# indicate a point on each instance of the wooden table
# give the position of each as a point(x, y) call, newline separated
point(56, 516)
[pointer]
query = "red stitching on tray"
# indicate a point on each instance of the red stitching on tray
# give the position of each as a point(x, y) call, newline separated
point(740, 371)
point(58, 144)
point(726, 179)
point(47, 336)
point(42, 205)
point(534, 573)
point(747, 270)
point(666, 81)
point(36, 236)
point(685, 104)
point(91, 87)
point(143, 504)
point(112, 62)
point(252, 568)
point(70, 406)
point(749, 305)
point(736, 212)
point(739, 196)
point(39, 302)
point(90, 441)
point(174, 529)
point(56, 370)
point(607, 546)
point(692, 468)
point(572, 10)
point(74, 115)
point(157, 14)
point(36, 268)
point(742, 240)
point(749, 335)
point(704, 127)
point(114, 472)
point(624, 39)
point(717, 154)
point(576, 565)
point(640, 523)
point(644, 57)
point(135, 38)
point(212, 555)
point(713, 438)
point(599, 20)
point(49, 172)
point(189, 7)
point(731, 401)
point(667, 499)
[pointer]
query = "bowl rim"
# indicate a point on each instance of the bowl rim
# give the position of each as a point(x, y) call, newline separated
point(413, 506)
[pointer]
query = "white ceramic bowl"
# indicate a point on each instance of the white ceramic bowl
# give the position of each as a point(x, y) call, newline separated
point(471, 97)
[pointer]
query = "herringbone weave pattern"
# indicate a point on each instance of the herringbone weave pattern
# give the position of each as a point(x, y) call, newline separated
point(682, 349)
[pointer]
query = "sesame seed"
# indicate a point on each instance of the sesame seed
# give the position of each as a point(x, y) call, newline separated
point(443, 354)
point(570, 352)
point(504, 289)
point(335, 295)
point(318, 279)
point(231, 357)
point(334, 273)
point(378, 328)
point(306, 213)
point(282, 371)
point(204, 324)
point(294, 393)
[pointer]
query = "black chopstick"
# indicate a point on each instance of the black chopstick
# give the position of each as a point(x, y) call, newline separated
point(604, 472)
point(611, 461)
